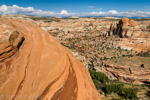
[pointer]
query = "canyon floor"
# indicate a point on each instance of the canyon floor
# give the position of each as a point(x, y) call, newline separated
point(118, 48)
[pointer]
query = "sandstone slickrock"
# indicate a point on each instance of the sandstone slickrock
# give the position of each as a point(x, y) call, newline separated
point(129, 74)
point(34, 65)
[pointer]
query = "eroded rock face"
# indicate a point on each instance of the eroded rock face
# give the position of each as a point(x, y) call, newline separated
point(34, 65)
point(129, 74)
point(10, 41)
point(128, 28)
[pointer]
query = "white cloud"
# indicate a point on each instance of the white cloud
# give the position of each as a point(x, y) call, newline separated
point(3, 8)
point(90, 6)
point(113, 12)
point(37, 12)
point(64, 12)
point(21, 10)
point(125, 14)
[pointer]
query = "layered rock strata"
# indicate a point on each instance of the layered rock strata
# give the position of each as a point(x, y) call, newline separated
point(129, 74)
point(34, 65)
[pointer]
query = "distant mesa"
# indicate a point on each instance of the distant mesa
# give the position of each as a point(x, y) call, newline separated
point(111, 17)
point(74, 17)
point(58, 17)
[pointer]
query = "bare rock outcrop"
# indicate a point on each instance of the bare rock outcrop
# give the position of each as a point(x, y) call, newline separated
point(34, 65)
point(128, 28)
point(128, 74)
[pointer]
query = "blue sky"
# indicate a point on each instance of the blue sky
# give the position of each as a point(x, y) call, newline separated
point(81, 6)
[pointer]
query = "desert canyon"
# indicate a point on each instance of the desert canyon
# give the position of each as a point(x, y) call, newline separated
point(48, 58)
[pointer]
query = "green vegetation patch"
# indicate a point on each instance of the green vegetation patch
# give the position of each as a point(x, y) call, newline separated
point(103, 83)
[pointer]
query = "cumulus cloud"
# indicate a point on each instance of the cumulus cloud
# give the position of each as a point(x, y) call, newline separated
point(64, 12)
point(37, 12)
point(126, 13)
point(21, 10)
point(113, 12)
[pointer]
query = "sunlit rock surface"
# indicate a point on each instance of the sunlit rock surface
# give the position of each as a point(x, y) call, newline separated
point(34, 65)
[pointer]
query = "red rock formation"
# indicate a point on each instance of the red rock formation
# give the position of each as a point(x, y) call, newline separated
point(124, 27)
point(128, 74)
point(128, 29)
point(34, 65)
point(124, 21)
point(132, 23)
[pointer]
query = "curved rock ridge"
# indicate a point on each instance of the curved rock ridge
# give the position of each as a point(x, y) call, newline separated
point(35, 66)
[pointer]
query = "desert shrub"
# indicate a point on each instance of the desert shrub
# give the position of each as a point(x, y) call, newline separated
point(142, 65)
point(124, 55)
point(97, 84)
point(92, 73)
point(143, 54)
point(130, 55)
point(109, 89)
point(118, 88)
point(121, 98)
point(91, 65)
point(102, 82)
point(98, 76)
point(148, 93)
point(113, 88)
point(105, 58)
point(148, 27)
point(119, 48)
point(70, 46)
point(130, 93)
point(101, 77)
point(117, 99)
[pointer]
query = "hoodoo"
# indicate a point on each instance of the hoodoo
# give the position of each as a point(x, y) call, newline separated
point(34, 65)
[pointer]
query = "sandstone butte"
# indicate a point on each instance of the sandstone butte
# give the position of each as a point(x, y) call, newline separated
point(35, 66)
